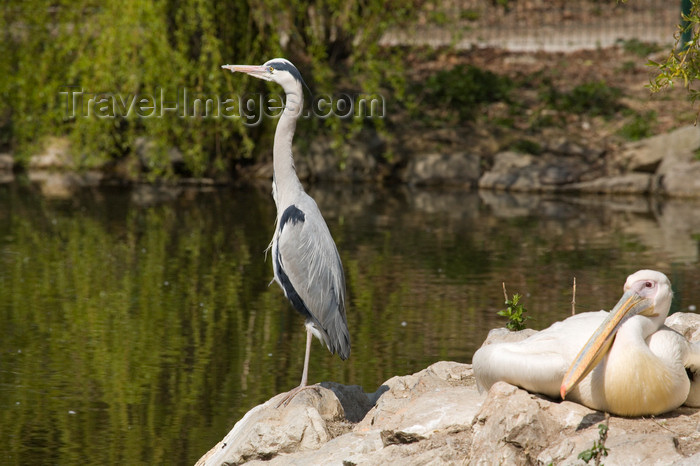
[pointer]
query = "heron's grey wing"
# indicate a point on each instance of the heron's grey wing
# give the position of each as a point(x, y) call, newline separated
point(310, 260)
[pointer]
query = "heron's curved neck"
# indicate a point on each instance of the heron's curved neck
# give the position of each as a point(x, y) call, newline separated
point(283, 162)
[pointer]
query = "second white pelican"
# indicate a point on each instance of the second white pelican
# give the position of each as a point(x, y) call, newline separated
point(625, 362)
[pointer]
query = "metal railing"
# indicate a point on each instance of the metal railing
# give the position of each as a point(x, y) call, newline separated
point(546, 25)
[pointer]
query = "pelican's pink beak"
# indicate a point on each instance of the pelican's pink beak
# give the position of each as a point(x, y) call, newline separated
point(257, 71)
point(600, 342)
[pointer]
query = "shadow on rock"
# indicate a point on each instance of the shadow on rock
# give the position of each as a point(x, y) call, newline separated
point(355, 402)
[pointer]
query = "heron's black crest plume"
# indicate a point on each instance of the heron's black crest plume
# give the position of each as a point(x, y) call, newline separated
point(289, 67)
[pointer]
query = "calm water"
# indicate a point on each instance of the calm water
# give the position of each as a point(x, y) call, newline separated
point(137, 326)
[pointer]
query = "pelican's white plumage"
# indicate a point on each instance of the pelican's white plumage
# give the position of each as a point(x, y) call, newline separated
point(625, 362)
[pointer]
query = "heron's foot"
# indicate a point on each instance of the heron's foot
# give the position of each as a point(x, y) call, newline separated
point(294, 392)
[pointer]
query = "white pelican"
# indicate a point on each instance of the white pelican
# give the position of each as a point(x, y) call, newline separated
point(625, 362)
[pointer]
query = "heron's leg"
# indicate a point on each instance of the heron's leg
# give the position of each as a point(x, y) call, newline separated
point(304, 375)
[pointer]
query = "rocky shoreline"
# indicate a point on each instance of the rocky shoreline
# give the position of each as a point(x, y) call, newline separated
point(437, 416)
point(666, 165)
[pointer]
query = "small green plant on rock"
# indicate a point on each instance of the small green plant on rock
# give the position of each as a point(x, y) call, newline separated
point(514, 311)
point(598, 450)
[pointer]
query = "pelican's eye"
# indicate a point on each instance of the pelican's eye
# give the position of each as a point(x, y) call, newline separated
point(649, 285)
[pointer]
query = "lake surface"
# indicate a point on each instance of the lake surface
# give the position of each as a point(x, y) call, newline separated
point(137, 325)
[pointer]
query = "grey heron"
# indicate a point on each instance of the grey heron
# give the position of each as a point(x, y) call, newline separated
point(305, 260)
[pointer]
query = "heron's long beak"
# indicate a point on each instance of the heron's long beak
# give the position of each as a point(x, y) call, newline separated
point(254, 70)
point(600, 342)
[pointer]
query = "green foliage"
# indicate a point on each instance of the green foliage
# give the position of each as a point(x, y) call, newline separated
point(594, 98)
point(112, 53)
point(470, 14)
point(504, 3)
point(543, 119)
point(639, 127)
point(683, 62)
point(465, 88)
point(628, 66)
point(527, 146)
point(514, 312)
point(439, 17)
point(598, 450)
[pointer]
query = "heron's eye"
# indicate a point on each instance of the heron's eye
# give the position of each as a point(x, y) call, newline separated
point(270, 69)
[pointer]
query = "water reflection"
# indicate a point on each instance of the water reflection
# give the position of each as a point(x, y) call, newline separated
point(138, 324)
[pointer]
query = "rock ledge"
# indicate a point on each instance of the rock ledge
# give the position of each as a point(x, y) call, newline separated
point(437, 416)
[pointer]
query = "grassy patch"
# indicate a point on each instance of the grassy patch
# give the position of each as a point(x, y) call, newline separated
point(593, 98)
point(470, 15)
point(527, 146)
point(628, 66)
point(639, 127)
point(544, 119)
point(439, 18)
point(639, 48)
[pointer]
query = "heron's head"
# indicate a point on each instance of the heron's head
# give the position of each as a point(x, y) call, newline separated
point(278, 70)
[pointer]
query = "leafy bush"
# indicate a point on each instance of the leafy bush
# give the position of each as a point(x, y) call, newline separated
point(639, 127)
point(527, 146)
point(464, 88)
point(593, 98)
